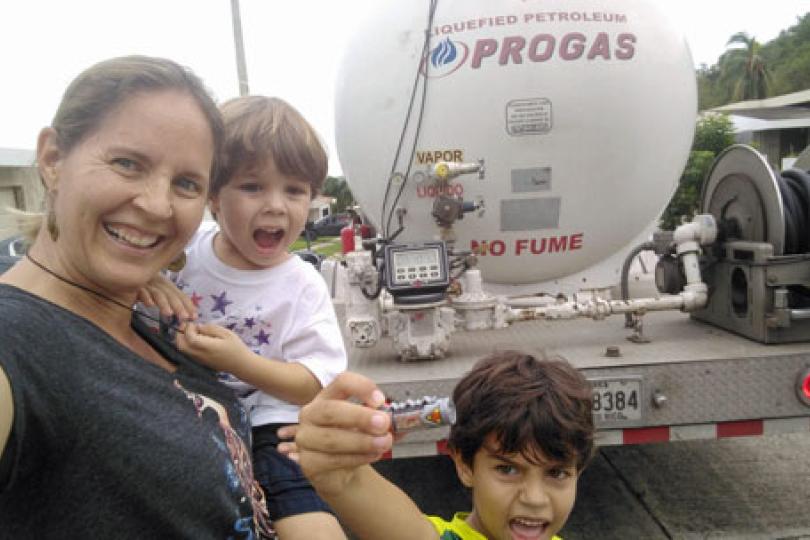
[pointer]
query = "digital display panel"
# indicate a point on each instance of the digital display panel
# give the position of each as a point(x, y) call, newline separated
point(416, 259)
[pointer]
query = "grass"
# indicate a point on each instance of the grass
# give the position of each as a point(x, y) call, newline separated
point(326, 245)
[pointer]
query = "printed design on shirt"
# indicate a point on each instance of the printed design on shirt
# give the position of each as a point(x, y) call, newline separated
point(449, 535)
point(238, 469)
point(220, 302)
point(254, 329)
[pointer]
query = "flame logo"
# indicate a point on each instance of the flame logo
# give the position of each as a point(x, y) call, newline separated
point(444, 53)
point(445, 58)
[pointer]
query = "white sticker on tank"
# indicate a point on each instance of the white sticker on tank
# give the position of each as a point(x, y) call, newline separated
point(528, 116)
point(534, 179)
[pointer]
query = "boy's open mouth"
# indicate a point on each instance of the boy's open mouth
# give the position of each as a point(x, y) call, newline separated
point(268, 238)
point(527, 529)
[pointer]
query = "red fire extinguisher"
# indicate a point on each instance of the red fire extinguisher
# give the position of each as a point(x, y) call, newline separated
point(347, 239)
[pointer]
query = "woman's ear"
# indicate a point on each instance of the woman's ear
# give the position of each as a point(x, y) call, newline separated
point(463, 470)
point(49, 157)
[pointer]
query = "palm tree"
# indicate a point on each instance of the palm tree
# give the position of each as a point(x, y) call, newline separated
point(745, 68)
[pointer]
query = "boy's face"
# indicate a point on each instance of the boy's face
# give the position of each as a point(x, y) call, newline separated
point(260, 213)
point(515, 499)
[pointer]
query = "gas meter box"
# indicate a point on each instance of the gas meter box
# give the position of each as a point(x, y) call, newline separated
point(416, 273)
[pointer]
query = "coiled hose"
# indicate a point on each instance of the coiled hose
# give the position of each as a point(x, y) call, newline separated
point(794, 186)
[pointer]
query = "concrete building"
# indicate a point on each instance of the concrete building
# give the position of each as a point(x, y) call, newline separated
point(19, 187)
point(779, 126)
point(320, 207)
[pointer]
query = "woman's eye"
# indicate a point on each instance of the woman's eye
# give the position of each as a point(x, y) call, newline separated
point(125, 163)
point(188, 184)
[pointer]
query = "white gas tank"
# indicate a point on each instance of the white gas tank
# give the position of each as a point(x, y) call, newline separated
point(582, 110)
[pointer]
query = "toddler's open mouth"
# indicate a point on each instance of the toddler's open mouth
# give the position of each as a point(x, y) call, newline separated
point(268, 238)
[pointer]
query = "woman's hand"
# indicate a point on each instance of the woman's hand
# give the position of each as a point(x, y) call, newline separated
point(335, 436)
point(214, 346)
point(162, 293)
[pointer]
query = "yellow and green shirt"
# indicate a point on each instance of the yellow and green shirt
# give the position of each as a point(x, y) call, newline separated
point(458, 529)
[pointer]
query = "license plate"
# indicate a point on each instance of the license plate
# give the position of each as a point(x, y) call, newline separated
point(617, 401)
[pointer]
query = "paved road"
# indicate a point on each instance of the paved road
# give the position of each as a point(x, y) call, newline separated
point(747, 488)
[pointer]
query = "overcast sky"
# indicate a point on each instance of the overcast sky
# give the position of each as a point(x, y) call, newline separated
point(293, 47)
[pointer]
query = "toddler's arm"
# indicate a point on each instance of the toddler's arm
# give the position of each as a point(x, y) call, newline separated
point(222, 350)
point(335, 443)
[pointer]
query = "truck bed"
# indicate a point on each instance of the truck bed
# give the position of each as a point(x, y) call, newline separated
point(714, 383)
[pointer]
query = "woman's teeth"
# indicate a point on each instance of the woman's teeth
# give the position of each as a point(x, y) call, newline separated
point(133, 237)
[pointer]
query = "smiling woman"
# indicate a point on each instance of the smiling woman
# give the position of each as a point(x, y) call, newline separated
point(113, 432)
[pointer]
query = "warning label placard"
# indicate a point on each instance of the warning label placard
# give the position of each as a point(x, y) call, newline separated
point(528, 116)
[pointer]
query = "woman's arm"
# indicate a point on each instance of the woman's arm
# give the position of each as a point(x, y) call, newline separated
point(6, 410)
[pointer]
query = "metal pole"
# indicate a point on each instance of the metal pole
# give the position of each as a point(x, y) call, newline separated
point(241, 70)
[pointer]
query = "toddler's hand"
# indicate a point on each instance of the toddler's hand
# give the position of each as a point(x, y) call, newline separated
point(213, 346)
point(161, 293)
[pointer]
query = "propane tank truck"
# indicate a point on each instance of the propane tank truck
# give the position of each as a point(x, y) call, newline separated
point(514, 157)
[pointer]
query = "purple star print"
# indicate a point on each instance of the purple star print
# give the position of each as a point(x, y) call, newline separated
point(220, 302)
point(262, 338)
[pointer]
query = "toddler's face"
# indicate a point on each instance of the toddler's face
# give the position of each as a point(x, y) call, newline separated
point(517, 499)
point(260, 214)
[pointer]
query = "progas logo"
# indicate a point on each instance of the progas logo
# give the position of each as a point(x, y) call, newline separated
point(445, 58)
point(448, 56)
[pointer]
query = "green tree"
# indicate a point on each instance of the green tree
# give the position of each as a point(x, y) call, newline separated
point(745, 68)
point(711, 93)
point(336, 186)
point(787, 67)
point(713, 133)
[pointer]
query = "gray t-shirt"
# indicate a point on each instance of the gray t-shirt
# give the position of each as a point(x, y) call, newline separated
point(107, 445)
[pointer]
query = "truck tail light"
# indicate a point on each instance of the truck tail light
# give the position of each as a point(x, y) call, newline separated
point(803, 386)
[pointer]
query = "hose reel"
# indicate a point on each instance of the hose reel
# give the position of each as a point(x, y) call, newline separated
point(757, 271)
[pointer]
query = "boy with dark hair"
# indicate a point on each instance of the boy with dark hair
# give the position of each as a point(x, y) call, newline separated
point(523, 434)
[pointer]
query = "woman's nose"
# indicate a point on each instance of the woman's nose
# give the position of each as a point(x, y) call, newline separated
point(155, 198)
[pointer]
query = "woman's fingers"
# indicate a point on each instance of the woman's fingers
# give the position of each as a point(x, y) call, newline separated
point(333, 440)
point(315, 463)
point(343, 415)
point(164, 304)
point(145, 297)
point(287, 432)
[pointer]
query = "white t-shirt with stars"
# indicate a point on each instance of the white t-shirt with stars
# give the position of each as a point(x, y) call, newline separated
point(281, 313)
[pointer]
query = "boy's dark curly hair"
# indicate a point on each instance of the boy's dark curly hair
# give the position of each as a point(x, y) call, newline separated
point(540, 408)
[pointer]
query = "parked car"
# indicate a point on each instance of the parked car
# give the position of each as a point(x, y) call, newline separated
point(11, 250)
point(330, 225)
point(13, 246)
point(313, 258)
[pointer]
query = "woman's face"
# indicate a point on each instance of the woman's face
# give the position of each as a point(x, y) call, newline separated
point(131, 193)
